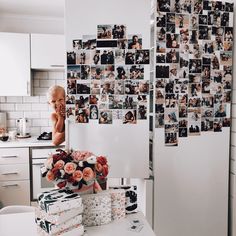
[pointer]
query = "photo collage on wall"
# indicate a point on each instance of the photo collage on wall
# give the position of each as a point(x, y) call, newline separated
point(105, 77)
point(194, 43)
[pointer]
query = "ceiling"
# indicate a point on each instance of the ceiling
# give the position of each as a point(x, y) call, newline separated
point(45, 8)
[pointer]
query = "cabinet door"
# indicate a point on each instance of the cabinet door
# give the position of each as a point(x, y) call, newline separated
point(47, 51)
point(15, 64)
point(15, 192)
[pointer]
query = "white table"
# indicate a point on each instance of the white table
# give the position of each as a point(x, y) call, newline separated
point(23, 224)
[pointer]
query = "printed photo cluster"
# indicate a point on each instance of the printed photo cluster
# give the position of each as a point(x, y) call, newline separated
point(194, 43)
point(105, 77)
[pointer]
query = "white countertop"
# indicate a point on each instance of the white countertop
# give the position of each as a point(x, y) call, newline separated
point(27, 142)
point(23, 224)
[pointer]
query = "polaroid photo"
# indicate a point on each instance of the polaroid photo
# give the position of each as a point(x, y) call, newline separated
point(142, 112)
point(228, 46)
point(130, 56)
point(130, 102)
point(129, 116)
point(89, 41)
point(184, 61)
point(228, 34)
point(170, 18)
point(194, 128)
point(174, 71)
point(207, 124)
point(159, 121)
point(119, 31)
point(136, 72)
point(70, 112)
point(122, 44)
point(171, 139)
point(226, 122)
point(217, 19)
point(97, 72)
point(226, 58)
point(218, 31)
point(160, 58)
point(172, 56)
point(183, 132)
point(170, 28)
point(173, 128)
point(195, 89)
point(70, 99)
point(107, 43)
point(135, 41)
point(207, 100)
point(83, 57)
point(171, 116)
point(85, 72)
point(121, 72)
point(71, 86)
point(73, 72)
point(195, 66)
point(162, 71)
point(184, 36)
point(172, 40)
point(206, 72)
point(225, 19)
point(119, 56)
point(109, 72)
point(169, 88)
point(217, 76)
point(216, 88)
point(93, 112)
point(108, 87)
point(193, 36)
point(95, 87)
point(160, 96)
point(160, 83)
point(142, 99)
point(197, 7)
point(119, 87)
point(227, 83)
point(206, 59)
point(183, 86)
point(160, 47)
point(207, 112)
point(83, 87)
point(226, 97)
point(82, 115)
point(105, 116)
point(93, 99)
point(194, 22)
point(159, 108)
point(163, 5)
point(161, 34)
point(161, 20)
point(132, 87)
point(144, 87)
point(218, 98)
point(117, 114)
point(115, 102)
point(171, 100)
point(183, 99)
point(196, 51)
point(183, 111)
point(220, 110)
point(194, 102)
point(77, 44)
point(182, 21)
point(209, 47)
point(82, 101)
point(104, 31)
point(218, 124)
point(96, 57)
point(107, 56)
point(183, 123)
point(71, 58)
point(206, 86)
point(194, 114)
point(202, 19)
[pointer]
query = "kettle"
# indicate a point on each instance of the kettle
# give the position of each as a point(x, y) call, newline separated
point(22, 126)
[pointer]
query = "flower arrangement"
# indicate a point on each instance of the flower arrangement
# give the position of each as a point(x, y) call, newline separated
point(75, 169)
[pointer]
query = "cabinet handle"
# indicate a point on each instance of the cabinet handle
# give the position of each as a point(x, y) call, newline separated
point(10, 173)
point(57, 65)
point(14, 156)
point(10, 185)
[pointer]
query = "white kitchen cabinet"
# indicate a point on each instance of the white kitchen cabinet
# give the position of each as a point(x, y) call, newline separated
point(47, 51)
point(15, 73)
point(14, 176)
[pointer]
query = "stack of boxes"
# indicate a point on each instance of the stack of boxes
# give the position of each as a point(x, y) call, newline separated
point(59, 213)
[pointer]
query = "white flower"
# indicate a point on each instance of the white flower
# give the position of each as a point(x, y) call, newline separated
point(62, 173)
point(92, 160)
point(81, 164)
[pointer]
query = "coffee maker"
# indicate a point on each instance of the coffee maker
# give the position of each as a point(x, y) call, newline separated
point(23, 130)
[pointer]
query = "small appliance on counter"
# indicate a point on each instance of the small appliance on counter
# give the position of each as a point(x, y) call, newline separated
point(45, 136)
point(22, 126)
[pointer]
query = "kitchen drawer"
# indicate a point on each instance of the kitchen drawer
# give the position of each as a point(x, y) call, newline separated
point(15, 192)
point(42, 153)
point(14, 172)
point(14, 155)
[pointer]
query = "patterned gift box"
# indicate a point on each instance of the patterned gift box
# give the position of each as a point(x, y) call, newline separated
point(131, 198)
point(97, 209)
point(59, 200)
point(53, 229)
point(117, 203)
point(59, 217)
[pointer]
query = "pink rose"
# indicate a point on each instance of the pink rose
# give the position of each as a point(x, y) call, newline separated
point(88, 174)
point(80, 155)
point(105, 170)
point(77, 175)
point(70, 167)
point(50, 176)
point(98, 167)
point(59, 164)
point(48, 163)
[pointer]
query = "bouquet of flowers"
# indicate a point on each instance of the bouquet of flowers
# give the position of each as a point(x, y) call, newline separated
point(78, 170)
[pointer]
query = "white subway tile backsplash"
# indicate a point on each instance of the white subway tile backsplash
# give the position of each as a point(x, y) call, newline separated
point(46, 129)
point(56, 75)
point(23, 107)
point(3, 99)
point(40, 91)
point(43, 99)
point(61, 83)
point(46, 83)
point(32, 114)
point(14, 99)
point(7, 107)
point(15, 114)
point(11, 123)
point(31, 99)
point(35, 130)
point(36, 83)
point(40, 122)
point(40, 75)
point(40, 107)
point(45, 114)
